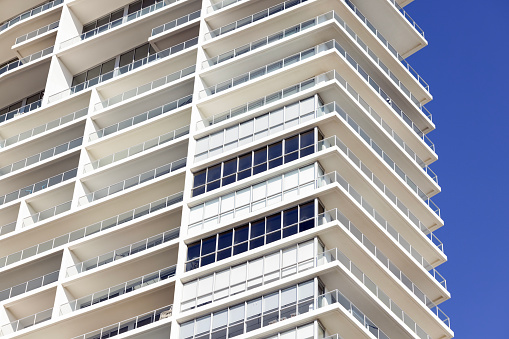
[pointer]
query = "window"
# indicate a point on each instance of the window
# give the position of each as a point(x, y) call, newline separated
point(32, 102)
point(252, 163)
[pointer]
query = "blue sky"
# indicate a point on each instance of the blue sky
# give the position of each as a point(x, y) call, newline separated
point(466, 65)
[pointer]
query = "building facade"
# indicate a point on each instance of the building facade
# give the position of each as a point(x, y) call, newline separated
point(200, 169)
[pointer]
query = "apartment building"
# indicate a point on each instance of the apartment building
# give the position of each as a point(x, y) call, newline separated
point(216, 169)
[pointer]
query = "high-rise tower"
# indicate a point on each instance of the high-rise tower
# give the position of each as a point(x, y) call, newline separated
point(201, 169)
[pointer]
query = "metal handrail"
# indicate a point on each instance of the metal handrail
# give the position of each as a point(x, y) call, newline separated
point(26, 60)
point(30, 13)
point(122, 252)
point(220, 5)
point(92, 229)
point(145, 88)
point(8, 228)
point(37, 32)
point(118, 290)
point(141, 117)
point(126, 18)
point(21, 110)
point(23, 323)
point(141, 147)
point(29, 285)
point(252, 18)
point(48, 213)
point(130, 324)
point(133, 181)
point(39, 186)
point(177, 22)
point(407, 16)
point(125, 69)
point(41, 156)
point(43, 128)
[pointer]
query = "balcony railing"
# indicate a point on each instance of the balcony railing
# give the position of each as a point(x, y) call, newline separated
point(41, 156)
point(43, 128)
point(29, 321)
point(38, 186)
point(164, 109)
point(133, 181)
point(252, 18)
point(37, 32)
point(407, 16)
point(29, 286)
point(145, 88)
point(124, 69)
point(8, 228)
point(30, 13)
point(91, 229)
point(26, 60)
point(129, 324)
point(222, 4)
point(128, 152)
point(123, 252)
point(48, 213)
point(177, 22)
point(386, 43)
point(21, 110)
point(126, 18)
point(118, 290)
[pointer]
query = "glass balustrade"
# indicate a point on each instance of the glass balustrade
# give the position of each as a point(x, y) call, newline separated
point(124, 69)
point(37, 32)
point(221, 4)
point(123, 252)
point(133, 150)
point(408, 17)
point(118, 290)
point(129, 324)
point(41, 156)
point(20, 111)
point(177, 22)
point(145, 88)
point(48, 213)
point(42, 128)
point(8, 228)
point(386, 43)
point(133, 181)
point(120, 21)
point(252, 18)
point(29, 285)
point(30, 13)
point(92, 229)
point(164, 109)
point(26, 60)
point(38, 186)
point(26, 322)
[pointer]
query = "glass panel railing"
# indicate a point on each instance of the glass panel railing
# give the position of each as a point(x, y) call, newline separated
point(177, 22)
point(26, 322)
point(48, 213)
point(92, 229)
point(118, 290)
point(133, 150)
point(8, 228)
point(124, 69)
point(252, 18)
point(41, 156)
point(145, 88)
point(222, 4)
point(133, 181)
point(115, 23)
point(129, 324)
point(408, 17)
point(26, 60)
point(30, 13)
point(37, 32)
point(29, 285)
point(42, 128)
point(386, 43)
point(164, 109)
point(123, 252)
point(20, 111)
point(38, 186)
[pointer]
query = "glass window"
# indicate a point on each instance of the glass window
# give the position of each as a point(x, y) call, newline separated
point(241, 234)
point(230, 167)
point(232, 134)
point(88, 27)
point(220, 319)
point(103, 21)
point(203, 325)
point(225, 240)
point(257, 228)
point(80, 78)
point(208, 245)
point(245, 162)
point(135, 6)
point(126, 58)
point(236, 313)
point(187, 330)
point(199, 178)
point(193, 250)
point(108, 66)
point(117, 14)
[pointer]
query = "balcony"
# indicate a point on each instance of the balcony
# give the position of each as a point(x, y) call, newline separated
point(37, 32)
point(29, 286)
point(24, 323)
point(8, 228)
point(30, 13)
point(91, 229)
point(177, 22)
point(20, 111)
point(118, 290)
point(48, 213)
point(26, 60)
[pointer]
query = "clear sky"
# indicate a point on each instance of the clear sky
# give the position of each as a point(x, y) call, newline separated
point(466, 64)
